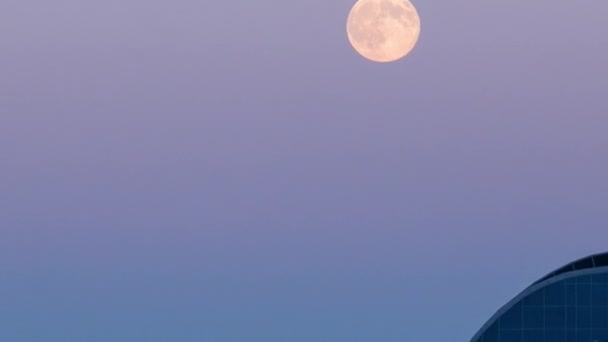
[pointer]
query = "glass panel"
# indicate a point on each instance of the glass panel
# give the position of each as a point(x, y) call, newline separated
point(511, 336)
point(583, 318)
point(600, 278)
point(533, 336)
point(599, 294)
point(601, 260)
point(599, 317)
point(512, 319)
point(555, 294)
point(555, 317)
point(583, 264)
point(534, 317)
point(535, 299)
point(583, 294)
point(558, 335)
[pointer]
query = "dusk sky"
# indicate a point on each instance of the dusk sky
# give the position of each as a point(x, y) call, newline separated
point(233, 171)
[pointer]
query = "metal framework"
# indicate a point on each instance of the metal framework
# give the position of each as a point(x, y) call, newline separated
point(593, 264)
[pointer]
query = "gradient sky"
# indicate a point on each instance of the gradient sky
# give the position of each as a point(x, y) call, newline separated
point(225, 171)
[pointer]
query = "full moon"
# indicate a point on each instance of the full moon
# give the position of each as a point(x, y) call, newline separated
point(383, 30)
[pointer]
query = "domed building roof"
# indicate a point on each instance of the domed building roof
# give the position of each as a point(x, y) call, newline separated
point(592, 261)
point(568, 304)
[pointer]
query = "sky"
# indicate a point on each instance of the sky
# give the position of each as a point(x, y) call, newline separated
point(226, 171)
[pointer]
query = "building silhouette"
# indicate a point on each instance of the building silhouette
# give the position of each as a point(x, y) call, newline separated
point(569, 304)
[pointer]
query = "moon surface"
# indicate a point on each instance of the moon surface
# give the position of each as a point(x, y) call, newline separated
point(383, 30)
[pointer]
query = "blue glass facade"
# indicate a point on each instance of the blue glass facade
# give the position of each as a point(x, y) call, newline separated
point(572, 307)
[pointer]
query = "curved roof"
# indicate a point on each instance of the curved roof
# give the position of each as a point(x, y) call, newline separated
point(597, 263)
point(592, 261)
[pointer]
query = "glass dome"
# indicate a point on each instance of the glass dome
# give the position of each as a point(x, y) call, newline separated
point(569, 304)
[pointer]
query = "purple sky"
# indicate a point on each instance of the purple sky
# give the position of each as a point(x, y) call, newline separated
point(225, 171)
